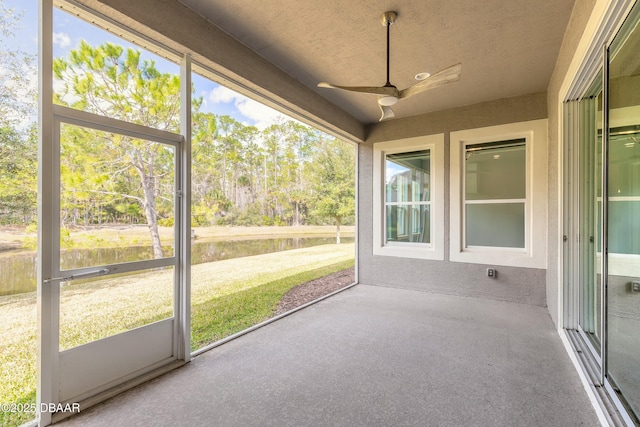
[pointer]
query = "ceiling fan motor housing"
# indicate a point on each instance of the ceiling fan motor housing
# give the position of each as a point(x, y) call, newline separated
point(387, 100)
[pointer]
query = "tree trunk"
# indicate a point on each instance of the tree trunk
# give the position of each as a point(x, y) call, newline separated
point(337, 231)
point(152, 218)
point(224, 177)
point(148, 182)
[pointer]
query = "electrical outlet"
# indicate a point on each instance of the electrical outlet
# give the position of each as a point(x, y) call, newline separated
point(635, 286)
point(491, 272)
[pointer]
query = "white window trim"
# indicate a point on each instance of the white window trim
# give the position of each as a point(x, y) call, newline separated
point(534, 254)
point(435, 249)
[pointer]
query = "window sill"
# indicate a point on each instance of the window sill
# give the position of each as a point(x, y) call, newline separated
point(508, 257)
point(410, 250)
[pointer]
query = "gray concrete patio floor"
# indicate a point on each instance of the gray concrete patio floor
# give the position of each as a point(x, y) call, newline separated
point(372, 356)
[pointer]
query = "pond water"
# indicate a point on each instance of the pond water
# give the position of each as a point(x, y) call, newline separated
point(18, 273)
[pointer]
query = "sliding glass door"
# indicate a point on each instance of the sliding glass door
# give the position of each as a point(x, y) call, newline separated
point(623, 237)
point(602, 220)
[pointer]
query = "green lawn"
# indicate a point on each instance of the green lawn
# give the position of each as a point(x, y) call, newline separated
point(220, 317)
point(227, 297)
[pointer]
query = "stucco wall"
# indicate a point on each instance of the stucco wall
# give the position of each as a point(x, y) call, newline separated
point(522, 285)
point(575, 29)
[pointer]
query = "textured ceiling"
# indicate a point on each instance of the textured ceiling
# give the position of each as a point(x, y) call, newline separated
point(506, 47)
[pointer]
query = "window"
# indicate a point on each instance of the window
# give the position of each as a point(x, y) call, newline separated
point(409, 198)
point(495, 194)
point(406, 183)
point(498, 208)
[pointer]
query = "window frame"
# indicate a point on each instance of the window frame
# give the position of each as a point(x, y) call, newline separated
point(534, 253)
point(435, 249)
point(466, 202)
point(407, 208)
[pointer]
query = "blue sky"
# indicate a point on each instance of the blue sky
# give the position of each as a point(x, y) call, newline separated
point(69, 30)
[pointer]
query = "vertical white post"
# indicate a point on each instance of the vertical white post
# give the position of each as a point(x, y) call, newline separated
point(357, 211)
point(184, 345)
point(604, 225)
point(48, 294)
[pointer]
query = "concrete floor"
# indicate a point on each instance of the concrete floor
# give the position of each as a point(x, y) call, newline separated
point(372, 356)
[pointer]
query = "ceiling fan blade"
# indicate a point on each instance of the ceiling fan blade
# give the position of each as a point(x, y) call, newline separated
point(440, 78)
point(387, 113)
point(376, 90)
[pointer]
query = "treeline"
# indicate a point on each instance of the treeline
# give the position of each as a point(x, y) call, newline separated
point(286, 174)
point(18, 140)
point(282, 175)
point(18, 175)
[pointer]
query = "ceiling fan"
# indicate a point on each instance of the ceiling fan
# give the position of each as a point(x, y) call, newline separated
point(388, 94)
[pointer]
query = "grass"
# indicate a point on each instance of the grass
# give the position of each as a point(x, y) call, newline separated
point(224, 316)
point(272, 231)
point(8, 419)
point(227, 297)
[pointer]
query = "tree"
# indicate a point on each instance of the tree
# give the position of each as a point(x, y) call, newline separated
point(288, 146)
point(18, 138)
point(18, 176)
point(333, 177)
point(207, 200)
point(17, 99)
point(299, 144)
point(240, 175)
point(115, 82)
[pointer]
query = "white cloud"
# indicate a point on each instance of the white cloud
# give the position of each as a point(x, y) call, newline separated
point(222, 94)
point(260, 115)
point(263, 116)
point(61, 39)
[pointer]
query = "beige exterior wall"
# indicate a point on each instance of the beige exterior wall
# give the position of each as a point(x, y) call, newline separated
point(499, 112)
point(486, 114)
point(523, 285)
